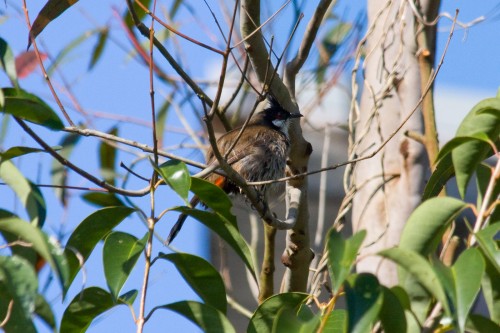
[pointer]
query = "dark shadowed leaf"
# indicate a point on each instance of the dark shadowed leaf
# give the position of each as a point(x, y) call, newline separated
point(176, 175)
point(120, 254)
point(29, 194)
point(226, 230)
point(467, 273)
point(18, 151)
point(202, 277)
point(491, 290)
point(99, 47)
point(208, 318)
point(85, 307)
point(59, 172)
point(425, 226)
point(364, 301)
point(44, 312)
point(102, 199)
point(443, 172)
point(29, 107)
point(342, 255)
point(480, 324)
point(392, 313)
point(51, 10)
point(263, 319)
point(89, 232)
point(18, 283)
point(47, 248)
point(107, 159)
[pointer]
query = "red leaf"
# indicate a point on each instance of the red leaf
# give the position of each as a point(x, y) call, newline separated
point(27, 62)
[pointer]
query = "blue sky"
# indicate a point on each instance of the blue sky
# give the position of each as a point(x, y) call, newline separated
point(119, 85)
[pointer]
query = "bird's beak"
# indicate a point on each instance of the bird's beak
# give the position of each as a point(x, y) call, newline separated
point(296, 115)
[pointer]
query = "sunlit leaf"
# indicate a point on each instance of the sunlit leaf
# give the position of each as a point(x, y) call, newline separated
point(176, 175)
point(262, 320)
point(19, 284)
point(85, 307)
point(18, 151)
point(425, 226)
point(120, 254)
point(202, 277)
point(29, 107)
point(89, 232)
point(46, 247)
point(467, 156)
point(364, 301)
point(342, 255)
point(214, 198)
point(336, 322)
point(467, 273)
point(416, 266)
point(208, 318)
point(51, 10)
point(226, 230)
point(29, 194)
point(7, 62)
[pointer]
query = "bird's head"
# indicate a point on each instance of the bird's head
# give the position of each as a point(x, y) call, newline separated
point(275, 114)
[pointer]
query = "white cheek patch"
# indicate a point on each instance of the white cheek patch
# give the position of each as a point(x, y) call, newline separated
point(279, 122)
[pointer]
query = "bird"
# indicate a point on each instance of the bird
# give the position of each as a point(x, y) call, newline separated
point(260, 153)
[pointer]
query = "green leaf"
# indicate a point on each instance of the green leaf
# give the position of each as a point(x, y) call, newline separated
point(29, 107)
point(263, 319)
point(59, 172)
point(491, 290)
point(480, 324)
point(425, 226)
point(46, 247)
point(51, 10)
point(467, 156)
point(140, 13)
point(226, 230)
point(335, 37)
point(484, 177)
point(364, 301)
point(342, 255)
point(176, 175)
point(85, 307)
point(44, 312)
point(415, 265)
point(29, 195)
point(99, 47)
point(214, 198)
point(467, 273)
point(107, 159)
point(129, 297)
point(89, 232)
point(19, 284)
point(287, 320)
point(443, 172)
point(7, 62)
point(487, 242)
point(392, 313)
point(460, 140)
point(336, 322)
point(18, 151)
point(208, 318)
point(120, 254)
point(202, 277)
point(102, 199)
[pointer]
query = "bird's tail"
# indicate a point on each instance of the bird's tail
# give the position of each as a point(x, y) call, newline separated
point(180, 221)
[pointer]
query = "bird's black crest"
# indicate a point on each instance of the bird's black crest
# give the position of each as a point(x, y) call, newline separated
point(273, 103)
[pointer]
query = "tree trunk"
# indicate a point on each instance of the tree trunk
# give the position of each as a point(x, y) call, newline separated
point(389, 185)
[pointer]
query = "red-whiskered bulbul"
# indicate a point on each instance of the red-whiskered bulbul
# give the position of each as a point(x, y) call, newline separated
point(260, 154)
